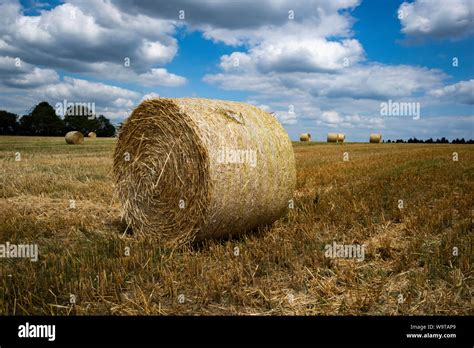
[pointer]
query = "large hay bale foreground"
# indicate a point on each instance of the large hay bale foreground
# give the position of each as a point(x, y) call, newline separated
point(341, 137)
point(196, 168)
point(92, 135)
point(375, 138)
point(305, 137)
point(74, 137)
point(332, 137)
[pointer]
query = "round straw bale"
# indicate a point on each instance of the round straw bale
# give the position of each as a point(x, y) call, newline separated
point(305, 137)
point(375, 138)
point(92, 135)
point(74, 137)
point(332, 137)
point(189, 168)
point(341, 137)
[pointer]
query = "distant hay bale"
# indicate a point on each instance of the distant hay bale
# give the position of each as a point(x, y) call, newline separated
point(332, 137)
point(305, 137)
point(189, 169)
point(74, 137)
point(341, 137)
point(92, 135)
point(375, 138)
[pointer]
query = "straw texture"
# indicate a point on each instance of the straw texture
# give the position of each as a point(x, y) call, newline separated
point(188, 169)
point(74, 137)
point(375, 138)
point(305, 137)
point(332, 137)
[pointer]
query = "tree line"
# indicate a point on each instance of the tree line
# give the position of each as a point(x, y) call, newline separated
point(43, 121)
point(443, 140)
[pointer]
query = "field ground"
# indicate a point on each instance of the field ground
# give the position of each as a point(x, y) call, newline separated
point(410, 264)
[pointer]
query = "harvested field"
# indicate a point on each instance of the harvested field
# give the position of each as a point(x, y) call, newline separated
point(61, 198)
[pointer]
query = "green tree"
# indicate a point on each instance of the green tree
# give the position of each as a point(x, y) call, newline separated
point(74, 120)
point(105, 128)
point(78, 119)
point(8, 122)
point(42, 120)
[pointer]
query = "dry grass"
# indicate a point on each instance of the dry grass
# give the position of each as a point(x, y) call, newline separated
point(279, 270)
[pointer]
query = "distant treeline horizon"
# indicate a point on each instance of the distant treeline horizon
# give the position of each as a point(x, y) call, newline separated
point(443, 140)
point(42, 120)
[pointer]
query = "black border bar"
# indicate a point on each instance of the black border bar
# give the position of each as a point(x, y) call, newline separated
point(223, 330)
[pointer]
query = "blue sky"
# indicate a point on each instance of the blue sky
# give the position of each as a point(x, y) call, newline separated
point(320, 66)
point(198, 57)
point(378, 29)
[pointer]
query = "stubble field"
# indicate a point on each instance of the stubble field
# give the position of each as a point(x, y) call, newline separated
point(418, 258)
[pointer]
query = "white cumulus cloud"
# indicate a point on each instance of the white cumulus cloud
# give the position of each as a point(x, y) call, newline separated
point(437, 18)
point(462, 92)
